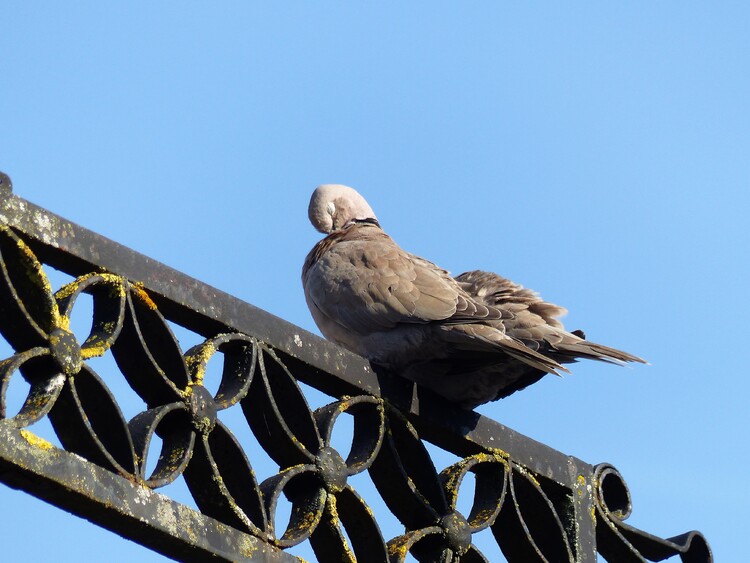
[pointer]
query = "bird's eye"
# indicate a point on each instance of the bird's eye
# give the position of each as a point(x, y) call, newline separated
point(331, 208)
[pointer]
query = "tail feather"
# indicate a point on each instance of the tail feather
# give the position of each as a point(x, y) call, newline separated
point(484, 338)
point(533, 359)
point(593, 351)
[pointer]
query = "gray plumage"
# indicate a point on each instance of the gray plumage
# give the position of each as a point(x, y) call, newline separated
point(472, 339)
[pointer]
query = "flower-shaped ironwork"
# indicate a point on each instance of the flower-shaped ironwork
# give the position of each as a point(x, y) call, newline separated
point(82, 410)
point(507, 498)
point(182, 412)
point(195, 443)
point(314, 475)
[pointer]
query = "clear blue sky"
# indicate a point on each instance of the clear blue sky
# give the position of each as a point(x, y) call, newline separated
point(593, 152)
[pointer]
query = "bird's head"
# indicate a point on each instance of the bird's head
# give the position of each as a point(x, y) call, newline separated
point(333, 206)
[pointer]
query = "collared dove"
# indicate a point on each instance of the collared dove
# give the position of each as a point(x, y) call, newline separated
point(471, 339)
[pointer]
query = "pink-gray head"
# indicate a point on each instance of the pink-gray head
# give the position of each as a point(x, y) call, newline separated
point(333, 206)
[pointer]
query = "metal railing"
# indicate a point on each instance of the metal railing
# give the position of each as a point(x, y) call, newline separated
point(538, 504)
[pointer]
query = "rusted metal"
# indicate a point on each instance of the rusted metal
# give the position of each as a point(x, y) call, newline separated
point(538, 504)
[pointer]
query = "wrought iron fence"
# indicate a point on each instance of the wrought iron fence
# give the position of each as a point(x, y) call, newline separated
point(537, 503)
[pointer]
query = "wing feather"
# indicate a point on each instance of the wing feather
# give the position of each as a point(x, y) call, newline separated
point(361, 278)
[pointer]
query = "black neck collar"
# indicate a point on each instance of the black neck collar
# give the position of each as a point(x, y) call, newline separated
point(369, 221)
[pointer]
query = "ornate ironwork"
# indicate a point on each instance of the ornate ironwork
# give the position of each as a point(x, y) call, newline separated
point(539, 504)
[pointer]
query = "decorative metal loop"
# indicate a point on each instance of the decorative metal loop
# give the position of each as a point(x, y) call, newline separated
point(109, 298)
point(491, 479)
point(148, 353)
point(27, 307)
point(240, 357)
point(89, 422)
point(321, 499)
point(300, 484)
point(449, 537)
point(431, 537)
point(405, 475)
point(528, 528)
point(284, 427)
point(612, 493)
point(45, 385)
point(369, 428)
point(170, 423)
point(429, 544)
point(349, 510)
point(223, 483)
point(620, 542)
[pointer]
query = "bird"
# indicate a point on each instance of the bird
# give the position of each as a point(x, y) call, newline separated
point(471, 339)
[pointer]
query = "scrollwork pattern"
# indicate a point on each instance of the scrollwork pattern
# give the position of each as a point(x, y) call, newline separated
point(620, 542)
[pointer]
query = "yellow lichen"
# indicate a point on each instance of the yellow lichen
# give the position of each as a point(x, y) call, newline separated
point(399, 548)
point(68, 289)
point(116, 285)
point(483, 516)
point(581, 480)
point(196, 362)
point(176, 456)
point(496, 451)
point(95, 349)
point(140, 292)
point(36, 276)
point(36, 441)
point(63, 322)
point(246, 547)
point(526, 473)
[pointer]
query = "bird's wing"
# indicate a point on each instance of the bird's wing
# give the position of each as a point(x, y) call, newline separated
point(367, 283)
point(431, 278)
